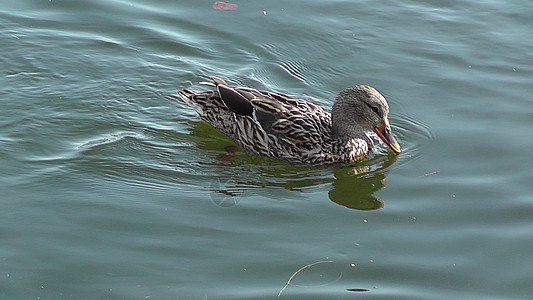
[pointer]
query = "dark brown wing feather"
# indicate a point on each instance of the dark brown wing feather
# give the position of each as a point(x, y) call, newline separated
point(235, 101)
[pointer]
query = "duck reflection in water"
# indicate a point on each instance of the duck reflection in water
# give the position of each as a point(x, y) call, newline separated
point(354, 187)
point(238, 175)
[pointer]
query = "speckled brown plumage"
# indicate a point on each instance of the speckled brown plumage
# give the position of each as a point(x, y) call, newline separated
point(284, 127)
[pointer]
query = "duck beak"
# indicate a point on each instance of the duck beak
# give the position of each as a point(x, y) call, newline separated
point(384, 132)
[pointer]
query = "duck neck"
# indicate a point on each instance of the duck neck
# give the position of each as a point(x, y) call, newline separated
point(344, 120)
point(348, 132)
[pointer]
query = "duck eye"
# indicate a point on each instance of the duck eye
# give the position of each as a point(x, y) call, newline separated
point(376, 110)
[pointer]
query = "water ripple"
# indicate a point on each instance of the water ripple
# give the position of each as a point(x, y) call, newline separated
point(299, 71)
point(103, 140)
point(412, 135)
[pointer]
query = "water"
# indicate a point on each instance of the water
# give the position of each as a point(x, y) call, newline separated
point(111, 190)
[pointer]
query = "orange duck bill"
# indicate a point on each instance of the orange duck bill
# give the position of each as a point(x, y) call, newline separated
point(384, 132)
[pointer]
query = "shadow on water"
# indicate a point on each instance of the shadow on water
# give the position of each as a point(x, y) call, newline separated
point(237, 175)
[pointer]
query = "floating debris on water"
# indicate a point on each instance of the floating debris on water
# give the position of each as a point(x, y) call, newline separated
point(221, 5)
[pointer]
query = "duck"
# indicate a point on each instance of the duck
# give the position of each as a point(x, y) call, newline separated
point(296, 130)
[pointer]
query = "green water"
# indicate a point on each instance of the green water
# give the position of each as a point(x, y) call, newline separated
point(110, 190)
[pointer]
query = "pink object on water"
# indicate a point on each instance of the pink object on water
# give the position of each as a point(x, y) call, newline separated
point(220, 5)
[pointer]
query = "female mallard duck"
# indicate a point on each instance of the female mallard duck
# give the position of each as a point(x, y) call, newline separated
point(296, 130)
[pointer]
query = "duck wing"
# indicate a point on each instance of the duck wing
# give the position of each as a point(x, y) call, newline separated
point(263, 122)
point(296, 121)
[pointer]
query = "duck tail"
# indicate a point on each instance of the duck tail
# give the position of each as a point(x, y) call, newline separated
point(192, 98)
point(216, 81)
point(197, 100)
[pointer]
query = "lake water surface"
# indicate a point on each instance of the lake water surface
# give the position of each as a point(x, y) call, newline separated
point(111, 190)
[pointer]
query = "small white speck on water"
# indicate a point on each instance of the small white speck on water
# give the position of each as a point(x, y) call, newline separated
point(352, 265)
point(514, 69)
point(414, 218)
point(371, 261)
point(264, 12)
point(244, 269)
point(365, 221)
point(453, 195)
point(42, 287)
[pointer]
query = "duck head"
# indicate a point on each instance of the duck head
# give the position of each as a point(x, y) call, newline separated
point(359, 107)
